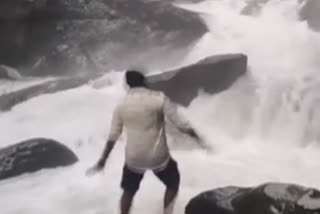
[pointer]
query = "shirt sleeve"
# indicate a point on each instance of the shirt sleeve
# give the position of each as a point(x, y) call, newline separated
point(171, 112)
point(116, 125)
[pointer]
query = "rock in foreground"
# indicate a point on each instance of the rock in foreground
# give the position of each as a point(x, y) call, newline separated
point(269, 198)
point(212, 75)
point(33, 155)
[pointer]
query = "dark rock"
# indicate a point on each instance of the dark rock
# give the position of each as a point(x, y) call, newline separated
point(7, 101)
point(65, 36)
point(33, 155)
point(269, 198)
point(9, 73)
point(311, 13)
point(211, 75)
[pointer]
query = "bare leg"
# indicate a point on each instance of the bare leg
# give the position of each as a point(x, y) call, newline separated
point(126, 201)
point(169, 200)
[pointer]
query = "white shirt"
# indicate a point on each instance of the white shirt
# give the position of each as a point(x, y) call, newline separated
point(142, 113)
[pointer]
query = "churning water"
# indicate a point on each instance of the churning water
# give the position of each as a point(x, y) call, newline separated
point(264, 128)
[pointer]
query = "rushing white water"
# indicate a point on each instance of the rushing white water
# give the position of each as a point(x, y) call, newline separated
point(264, 128)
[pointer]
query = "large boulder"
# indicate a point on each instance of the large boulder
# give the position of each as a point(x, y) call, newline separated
point(72, 36)
point(33, 155)
point(210, 75)
point(269, 198)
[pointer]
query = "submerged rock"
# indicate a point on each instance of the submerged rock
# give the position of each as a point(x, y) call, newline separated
point(311, 13)
point(7, 101)
point(33, 155)
point(269, 198)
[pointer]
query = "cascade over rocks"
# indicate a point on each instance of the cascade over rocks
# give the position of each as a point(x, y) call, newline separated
point(212, 75)
point(309, 11)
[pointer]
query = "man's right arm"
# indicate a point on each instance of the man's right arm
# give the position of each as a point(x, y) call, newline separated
point(171, 112)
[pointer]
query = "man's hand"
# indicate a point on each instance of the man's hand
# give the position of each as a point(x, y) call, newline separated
point(95, 169)
point(191, 132)
point(102, 161)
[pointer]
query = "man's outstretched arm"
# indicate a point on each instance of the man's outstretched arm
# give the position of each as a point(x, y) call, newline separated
point(171, 112)
point(114, 134)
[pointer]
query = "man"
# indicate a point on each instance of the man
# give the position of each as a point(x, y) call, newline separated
point(142, 113)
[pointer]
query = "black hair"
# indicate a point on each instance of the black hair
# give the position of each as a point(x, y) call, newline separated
point(135, 79)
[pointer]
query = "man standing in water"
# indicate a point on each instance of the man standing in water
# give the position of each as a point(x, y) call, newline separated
point(142, 113)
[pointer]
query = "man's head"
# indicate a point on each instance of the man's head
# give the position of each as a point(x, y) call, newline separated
point(135, 79)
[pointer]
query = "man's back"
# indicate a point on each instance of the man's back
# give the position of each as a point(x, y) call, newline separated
point(142, 115)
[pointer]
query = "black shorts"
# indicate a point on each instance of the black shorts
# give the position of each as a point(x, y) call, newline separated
point(169, 176)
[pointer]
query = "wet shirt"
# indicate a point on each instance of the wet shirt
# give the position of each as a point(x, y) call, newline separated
point(142, 114)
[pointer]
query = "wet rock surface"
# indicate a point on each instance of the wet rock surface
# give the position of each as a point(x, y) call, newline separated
point(33, 155)
point(211, 75)
point(269, 198)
